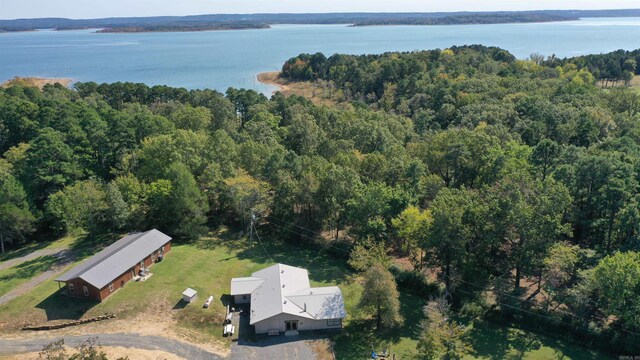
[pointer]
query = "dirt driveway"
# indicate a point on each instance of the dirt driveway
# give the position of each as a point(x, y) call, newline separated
point(135, 341)
point(64, 258)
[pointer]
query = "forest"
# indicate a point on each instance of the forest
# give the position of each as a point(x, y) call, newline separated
point(487, 174)
point(239, 21)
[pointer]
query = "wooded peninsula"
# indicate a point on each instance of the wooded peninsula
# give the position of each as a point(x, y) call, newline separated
point(262, 21)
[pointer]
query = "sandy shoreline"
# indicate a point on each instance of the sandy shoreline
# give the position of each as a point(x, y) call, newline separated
point(273, 78)
point(36, 81)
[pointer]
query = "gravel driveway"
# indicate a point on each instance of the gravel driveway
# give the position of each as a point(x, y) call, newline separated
point(64, 257)
point(136, 341)
point(30, 256)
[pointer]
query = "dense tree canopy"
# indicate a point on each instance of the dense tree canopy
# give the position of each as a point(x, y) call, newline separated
point(476, 166)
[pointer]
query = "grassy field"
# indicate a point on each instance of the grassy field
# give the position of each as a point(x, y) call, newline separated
point(208, 265)
point(12, 277)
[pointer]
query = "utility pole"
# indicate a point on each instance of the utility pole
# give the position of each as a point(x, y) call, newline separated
point(253, 217)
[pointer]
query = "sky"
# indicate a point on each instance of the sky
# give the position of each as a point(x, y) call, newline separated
point(82, 9)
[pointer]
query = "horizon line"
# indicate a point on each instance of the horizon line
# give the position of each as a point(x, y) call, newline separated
point(324, 13)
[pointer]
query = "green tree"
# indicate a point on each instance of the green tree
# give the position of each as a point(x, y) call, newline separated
point(337, 186)
point(527, 216)
point(412, 226)
point(118, 211)
point(368, 253)
point(49, 165)
point(372, 207)
point(16, 221)
point(441, 337)
point(615, 284)
point(451, 231)
point(246, 194)
point(82, 205)
point(190, 118)
point(176, 204)
point(560, 266)
point(380, 297)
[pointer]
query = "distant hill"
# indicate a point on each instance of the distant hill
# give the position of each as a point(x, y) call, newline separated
point(244, 21)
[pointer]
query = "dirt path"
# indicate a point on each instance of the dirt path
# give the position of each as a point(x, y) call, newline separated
point(64, 258)
point(133, 341)
point(33, 255)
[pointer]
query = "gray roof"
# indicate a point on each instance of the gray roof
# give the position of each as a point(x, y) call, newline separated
point(245, 285)
point(286, 289)
point(117, 258)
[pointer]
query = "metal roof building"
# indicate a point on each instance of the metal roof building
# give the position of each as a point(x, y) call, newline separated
point(281, 298)
point(123, 256)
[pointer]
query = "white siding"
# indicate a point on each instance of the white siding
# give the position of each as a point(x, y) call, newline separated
point(277, 323)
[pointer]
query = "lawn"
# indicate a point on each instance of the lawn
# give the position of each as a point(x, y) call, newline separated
point(19, 274)
point(208, 265)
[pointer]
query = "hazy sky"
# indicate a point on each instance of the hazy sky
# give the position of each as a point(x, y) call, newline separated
point(11, 9)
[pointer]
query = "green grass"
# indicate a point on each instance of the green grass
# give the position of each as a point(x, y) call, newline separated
point(61, 243)
point(208, 266)
point(490, 341)
point(14, 276)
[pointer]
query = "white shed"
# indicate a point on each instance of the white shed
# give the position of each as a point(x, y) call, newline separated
point(189, 295)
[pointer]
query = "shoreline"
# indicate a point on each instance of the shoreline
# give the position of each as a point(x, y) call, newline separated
point(38, 82)
point(273, 78)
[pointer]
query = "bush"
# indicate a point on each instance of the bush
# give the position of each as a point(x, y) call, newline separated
point(415, 283)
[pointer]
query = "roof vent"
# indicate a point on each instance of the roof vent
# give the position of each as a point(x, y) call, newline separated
point(285, 301)
point(283, 286)
point(281, 271)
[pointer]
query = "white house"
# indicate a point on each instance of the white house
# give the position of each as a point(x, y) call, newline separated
point(282, 299)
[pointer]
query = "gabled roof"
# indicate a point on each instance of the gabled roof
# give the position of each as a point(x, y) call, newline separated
point(245, 285)
point(321, 303)
point(114, 260)
point(286, 289)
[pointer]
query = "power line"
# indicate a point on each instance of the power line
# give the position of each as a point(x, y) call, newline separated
point(260, 240)
point(476, 285)
point(536, 314)
point(306, 236)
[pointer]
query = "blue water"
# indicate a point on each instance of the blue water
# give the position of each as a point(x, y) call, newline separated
point(220, 59)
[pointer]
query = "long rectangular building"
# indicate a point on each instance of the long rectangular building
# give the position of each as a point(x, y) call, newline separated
point(99, 276)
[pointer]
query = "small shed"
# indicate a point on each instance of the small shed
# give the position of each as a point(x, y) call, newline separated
point(189, 295)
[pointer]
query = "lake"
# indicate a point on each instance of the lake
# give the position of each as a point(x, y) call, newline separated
point(220, 59)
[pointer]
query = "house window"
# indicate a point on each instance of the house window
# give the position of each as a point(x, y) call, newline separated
point(162, 249)
point(244, 297)
point(334, 322)
point(153, 257)
point(110, 287)
point(85, 290)
point(71, 288)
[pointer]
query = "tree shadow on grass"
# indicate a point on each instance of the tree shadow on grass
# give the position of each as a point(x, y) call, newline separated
point(499, 342)
point(322, 266)
point(31, 268)
point(23, 251)
point(359, 336)
point(489, 341)
point(58, 306)
point(85, 246)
